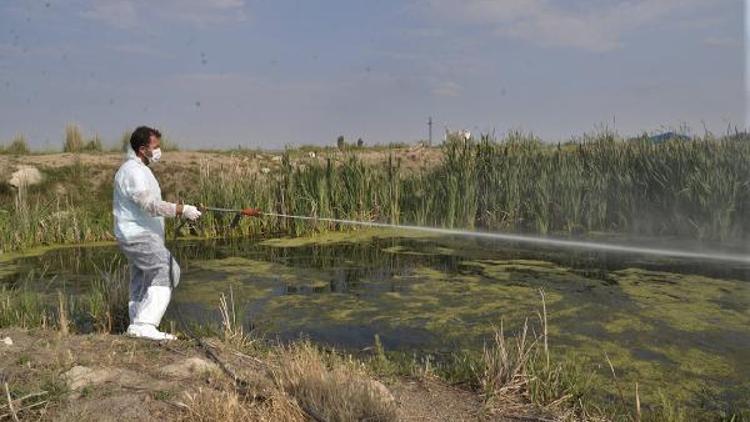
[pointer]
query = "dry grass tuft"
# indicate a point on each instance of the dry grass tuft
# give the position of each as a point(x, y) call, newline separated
point(281, 407)
point(331, 388)
point(19, 146)
point(234, 333)
point(519, 376)
point(62, 311)
point(210, 405)
point(73, 138)
point(505, 364)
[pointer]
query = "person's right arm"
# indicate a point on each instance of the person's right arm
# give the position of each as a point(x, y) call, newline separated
point(136, 189)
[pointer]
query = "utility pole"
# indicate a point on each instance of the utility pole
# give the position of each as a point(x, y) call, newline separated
point(429, 129)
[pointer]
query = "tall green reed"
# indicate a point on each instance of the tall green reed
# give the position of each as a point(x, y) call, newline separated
point(696, 189)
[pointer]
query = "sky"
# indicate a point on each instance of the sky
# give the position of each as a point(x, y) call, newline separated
point(223, 73)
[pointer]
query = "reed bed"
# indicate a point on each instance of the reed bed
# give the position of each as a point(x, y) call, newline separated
point(102, 309)
point(697, 189)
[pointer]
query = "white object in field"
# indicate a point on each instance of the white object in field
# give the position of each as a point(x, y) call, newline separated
point(7, 341)
point(25, 176)
point(462, 134)
point(311, 154)
point(265, 170)
point(276, 158)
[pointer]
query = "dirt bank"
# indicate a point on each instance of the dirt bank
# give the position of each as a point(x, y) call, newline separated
point(112, 377)
point(410, 157)
point(179, 171)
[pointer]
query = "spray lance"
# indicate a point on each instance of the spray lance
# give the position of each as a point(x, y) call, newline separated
point(257, 212)
point(524, 239)
point(244, 212)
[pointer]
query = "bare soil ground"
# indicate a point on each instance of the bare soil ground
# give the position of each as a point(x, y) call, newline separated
point(111, 377)
point(431, 400)
point(179, 171)
point(410, 157)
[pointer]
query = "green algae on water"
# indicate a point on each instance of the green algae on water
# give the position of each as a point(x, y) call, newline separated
point(346, 236)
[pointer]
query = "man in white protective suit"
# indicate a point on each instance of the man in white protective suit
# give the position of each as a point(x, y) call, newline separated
point(139, 213)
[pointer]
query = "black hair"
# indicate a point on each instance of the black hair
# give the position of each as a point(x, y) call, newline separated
point(141, 136)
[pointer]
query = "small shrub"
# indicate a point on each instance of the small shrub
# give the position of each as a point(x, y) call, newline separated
point(331, 387)
point(73, 138)
point(380, 363)
point(166, 144)
point(23, 360)
point(207, 404)
point(18, 146)
point(94, 144)
point(56, 388)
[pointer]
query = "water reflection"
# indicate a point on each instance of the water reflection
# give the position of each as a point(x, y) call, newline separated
point(380, 259)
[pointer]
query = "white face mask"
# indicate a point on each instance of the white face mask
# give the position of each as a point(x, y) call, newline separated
point(155, 155)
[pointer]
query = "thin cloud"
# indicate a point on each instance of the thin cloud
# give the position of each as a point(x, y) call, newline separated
point(721, 42)
point(599, 27)
point(137, 49)
point(447, 89)
point(7, 49)
point(125, 14)
point(15, 50)
point(230, 84)
point(120, 14)
point(204, 12)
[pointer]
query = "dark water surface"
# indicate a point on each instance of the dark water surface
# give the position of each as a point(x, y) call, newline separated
point(674, 325)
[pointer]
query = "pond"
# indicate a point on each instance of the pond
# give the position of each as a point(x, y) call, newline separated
point(676, 326)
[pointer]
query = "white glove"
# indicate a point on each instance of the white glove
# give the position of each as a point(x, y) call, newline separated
point(190, 212)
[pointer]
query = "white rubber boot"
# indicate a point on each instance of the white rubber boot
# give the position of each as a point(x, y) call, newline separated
point(149, 332)
point(149, 313)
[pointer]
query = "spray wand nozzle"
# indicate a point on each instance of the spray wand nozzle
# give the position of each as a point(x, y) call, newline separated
point(252, 212)
point(247, 212)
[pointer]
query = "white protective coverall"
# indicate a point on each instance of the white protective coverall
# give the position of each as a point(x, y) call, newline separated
point(139, 213)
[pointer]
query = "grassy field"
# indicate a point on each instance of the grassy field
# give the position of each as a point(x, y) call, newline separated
point(698, 189)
